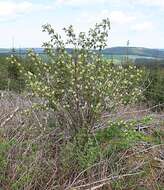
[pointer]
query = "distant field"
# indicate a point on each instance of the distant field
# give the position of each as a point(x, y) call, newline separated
point(133, 57)
point(117, 59)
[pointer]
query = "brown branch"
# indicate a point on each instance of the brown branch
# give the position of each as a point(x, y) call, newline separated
point(139, 111)
point(91, 186)
point(9, 117)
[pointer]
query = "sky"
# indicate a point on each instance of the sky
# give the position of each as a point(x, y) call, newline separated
point(139, 21)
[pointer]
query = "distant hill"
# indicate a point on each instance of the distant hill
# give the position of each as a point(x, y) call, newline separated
point(137, 51)
point(133, 51)
point(7, 51)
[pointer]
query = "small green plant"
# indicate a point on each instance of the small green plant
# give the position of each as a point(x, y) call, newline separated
point(120, 135)
point(83, 151)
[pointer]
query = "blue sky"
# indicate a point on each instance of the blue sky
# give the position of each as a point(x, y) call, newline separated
point(140, 21)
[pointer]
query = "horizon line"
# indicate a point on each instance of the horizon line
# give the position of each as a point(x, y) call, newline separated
point(72, 48)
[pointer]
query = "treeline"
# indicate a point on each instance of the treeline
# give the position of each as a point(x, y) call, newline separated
point(154, 88)
point(149, 63)
point(10, 77)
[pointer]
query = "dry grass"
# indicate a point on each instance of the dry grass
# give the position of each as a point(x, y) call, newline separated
point(30, 154)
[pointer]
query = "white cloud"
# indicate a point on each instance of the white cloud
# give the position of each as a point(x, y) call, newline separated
point(79, 2)
point(115, 17)
point(157, 3)
point(120, 17)
point(142, 27)
point(11, 9)
point(87, 2)
point(153, 2)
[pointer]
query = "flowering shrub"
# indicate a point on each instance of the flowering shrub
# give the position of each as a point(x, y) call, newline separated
point(81, 84)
